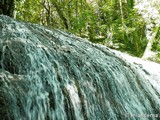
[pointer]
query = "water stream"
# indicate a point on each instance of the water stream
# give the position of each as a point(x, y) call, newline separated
point(53, 75)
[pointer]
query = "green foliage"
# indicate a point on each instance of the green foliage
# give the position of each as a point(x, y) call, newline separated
point(29, 10)
point(155, 58)
point(156, 46)
point(156, 40)
point(128, 28)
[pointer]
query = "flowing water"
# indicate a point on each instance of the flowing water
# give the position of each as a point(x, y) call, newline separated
point(53, 75)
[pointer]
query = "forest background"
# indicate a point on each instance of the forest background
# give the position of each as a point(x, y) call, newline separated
point(131, 26)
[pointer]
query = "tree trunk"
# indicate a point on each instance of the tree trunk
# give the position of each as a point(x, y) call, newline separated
point(61, 15)
point(148, 53)
point(121, 11)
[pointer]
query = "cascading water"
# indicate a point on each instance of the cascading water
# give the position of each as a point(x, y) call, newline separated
point(53, 75)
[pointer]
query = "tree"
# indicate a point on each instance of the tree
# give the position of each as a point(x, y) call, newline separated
point(150, 12)
point(122, 26)
point(60, 13)
point(7, 7)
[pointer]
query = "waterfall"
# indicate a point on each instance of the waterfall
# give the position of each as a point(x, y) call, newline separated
point(53, 75)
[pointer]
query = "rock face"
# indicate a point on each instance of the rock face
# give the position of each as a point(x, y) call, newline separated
point(52, 75)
